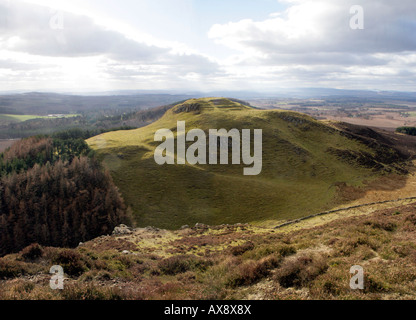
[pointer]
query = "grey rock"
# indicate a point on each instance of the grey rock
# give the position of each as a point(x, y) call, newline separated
point(201, 225)
point(152, 229)
point(122, 229)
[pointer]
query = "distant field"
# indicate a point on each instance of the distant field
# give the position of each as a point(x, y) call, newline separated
point(18, 118)
point(22, 118)
point(386, 114)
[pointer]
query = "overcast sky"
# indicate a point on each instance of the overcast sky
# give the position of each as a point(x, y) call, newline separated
point(206, 45)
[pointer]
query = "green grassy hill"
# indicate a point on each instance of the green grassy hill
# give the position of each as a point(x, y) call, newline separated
point(303, 163)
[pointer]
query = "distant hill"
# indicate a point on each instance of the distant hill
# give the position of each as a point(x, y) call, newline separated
point(306, 163)
point(23, 117)
point(51, 103)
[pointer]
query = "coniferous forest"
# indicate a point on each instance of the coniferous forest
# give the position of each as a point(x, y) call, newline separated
point(56, 193)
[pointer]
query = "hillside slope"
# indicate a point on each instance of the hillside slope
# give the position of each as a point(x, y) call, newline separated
point(305, 164)
point(230, 262)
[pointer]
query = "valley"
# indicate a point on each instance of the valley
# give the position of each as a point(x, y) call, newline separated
point(28, 114)
point(330, 194)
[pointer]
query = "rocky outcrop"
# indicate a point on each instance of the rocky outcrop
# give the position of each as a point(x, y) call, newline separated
point(122, 230)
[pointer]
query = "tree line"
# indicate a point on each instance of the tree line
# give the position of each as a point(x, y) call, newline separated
point(56, 193)
point(407, 130)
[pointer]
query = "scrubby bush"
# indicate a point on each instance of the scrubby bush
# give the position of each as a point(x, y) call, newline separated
point(383, 225)
point(90, 292)
point(181, 264)
point(299, 272)
point(239, 250)
point(332, 283)
point(252, 271)
point(411, 218)
point(280, 250)
point(375, 285)
point(286, 250)
point(71, 261)
point(10, 269)
point(347, 246)
point(32, 252)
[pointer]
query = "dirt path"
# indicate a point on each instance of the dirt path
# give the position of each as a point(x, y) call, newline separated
point(341, 210)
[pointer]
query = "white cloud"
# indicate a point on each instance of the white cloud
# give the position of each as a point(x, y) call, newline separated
point(83, 51)
point(323, 26)
point(312, 38)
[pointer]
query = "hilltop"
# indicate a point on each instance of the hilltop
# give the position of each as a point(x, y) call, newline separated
point(308, 166)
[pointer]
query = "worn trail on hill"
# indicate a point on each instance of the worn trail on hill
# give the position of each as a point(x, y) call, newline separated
point(340, 210)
